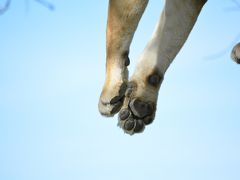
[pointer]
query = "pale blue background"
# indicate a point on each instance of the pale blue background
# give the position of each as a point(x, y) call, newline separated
point(51, 73)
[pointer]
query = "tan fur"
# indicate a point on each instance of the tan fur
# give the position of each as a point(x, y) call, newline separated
point(176, 22)
point(123, 18)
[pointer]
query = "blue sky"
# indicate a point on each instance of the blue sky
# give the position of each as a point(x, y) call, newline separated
point(51, 74)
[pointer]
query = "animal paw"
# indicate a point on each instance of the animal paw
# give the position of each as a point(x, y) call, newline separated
point(139, 105)
point(134, 118)
point(111, 100)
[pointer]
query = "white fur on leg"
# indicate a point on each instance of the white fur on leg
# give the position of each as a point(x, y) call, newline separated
point(172, 30)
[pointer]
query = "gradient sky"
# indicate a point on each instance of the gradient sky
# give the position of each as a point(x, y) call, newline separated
point(51, 74)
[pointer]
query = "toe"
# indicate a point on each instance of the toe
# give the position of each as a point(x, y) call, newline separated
point(115, 99)
point(124, 114)
point(109, 109)
point(139, 126)
point(129, 125)
point(116, 108)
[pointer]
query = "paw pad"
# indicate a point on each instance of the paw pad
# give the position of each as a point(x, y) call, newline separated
point(155, 79)
point(124, 114)
point(129, 125)
point(132, 119)
point(140, 108)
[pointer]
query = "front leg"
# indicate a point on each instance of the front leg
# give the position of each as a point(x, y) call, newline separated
point(123, 18)
point(173, 28)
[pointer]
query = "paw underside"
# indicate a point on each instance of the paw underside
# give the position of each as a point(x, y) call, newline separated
point(137, 110)
point(133, 118)
point(136, 106)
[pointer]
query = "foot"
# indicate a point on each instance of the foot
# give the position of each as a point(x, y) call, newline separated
point(140, 103)
point(112, 96)
point(111, 99)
